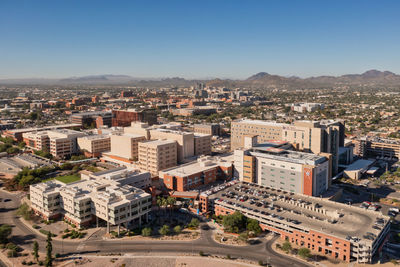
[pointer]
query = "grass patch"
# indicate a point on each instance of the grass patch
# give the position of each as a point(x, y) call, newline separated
point(66, 179)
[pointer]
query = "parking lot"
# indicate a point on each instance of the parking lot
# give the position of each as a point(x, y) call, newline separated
point(284, 210)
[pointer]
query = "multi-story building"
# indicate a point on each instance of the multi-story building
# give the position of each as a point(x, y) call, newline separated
point(36, 140)
point(337, 230)
point(122, 175)
point(103, 196)
point(125, 146)
point(272, 165)
point(63, 142)
point(184, 140)
point(91, 118)
point(377, 147)
point(16, 134)
point(140, 128)
point(60, 142)
point(213, 129)
point(198, 110)
point(310, 136)
point(94, 145)
point(190, 176)
point(307, 107)
point(157, 155)
point(124, 118)
point(202, 144)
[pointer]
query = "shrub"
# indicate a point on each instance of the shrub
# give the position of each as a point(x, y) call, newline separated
point(201, 253)
point(286, 246)
point(261, 263)
point(178, 229)
point(45, 232)
point(164, 230)
point(304, 253)
point(36, 226)
point(57, 255)
point(146, 231)
point(228, 256)
point(194, 223)
point(23, 262)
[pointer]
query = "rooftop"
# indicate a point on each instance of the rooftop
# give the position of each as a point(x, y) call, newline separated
point(305, 213)
point(200, 165)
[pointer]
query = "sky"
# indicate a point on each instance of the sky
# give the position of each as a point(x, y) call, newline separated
point(197, 39)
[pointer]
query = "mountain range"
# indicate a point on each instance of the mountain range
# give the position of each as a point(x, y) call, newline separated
point(260, 80)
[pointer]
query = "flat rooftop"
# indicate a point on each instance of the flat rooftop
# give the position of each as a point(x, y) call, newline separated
point(259, 122)
point(358, 165)
point(158, 142)
point(23, 130)
point(201, 165)
point(95, 137)
point(283, 210)
point(287, 155)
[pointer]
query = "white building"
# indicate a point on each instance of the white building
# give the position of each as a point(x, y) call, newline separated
point(108, 196)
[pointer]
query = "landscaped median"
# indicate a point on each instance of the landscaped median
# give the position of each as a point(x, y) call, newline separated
point(237, 229)
point(167, 231)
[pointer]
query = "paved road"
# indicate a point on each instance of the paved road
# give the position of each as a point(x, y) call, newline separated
point(25, 236)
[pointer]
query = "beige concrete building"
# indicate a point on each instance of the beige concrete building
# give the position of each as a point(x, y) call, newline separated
point(105, 197)
point(125, 145)
point(202, 144)
point(139, 128)
point(59, 142)
point(94, 145)
point(185, 141)
point(309, 136)
point(210, 128)
point(157, 155)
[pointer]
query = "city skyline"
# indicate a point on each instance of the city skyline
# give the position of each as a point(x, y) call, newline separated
point(192, 40)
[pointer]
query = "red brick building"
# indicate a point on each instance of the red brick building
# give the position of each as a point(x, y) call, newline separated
point(190, 176)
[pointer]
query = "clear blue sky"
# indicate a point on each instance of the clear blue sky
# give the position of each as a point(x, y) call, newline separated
point(197, 39)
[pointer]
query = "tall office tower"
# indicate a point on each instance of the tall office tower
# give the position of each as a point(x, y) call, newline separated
point(319, 137)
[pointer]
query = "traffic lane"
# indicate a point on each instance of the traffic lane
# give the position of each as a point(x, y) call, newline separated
point(234, 252)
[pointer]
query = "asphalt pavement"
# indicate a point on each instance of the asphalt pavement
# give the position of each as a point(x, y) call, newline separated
point(24, 236)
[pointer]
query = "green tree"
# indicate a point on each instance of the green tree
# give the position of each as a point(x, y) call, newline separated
point(304, 253)
point(164, 230)
point(234, 223)
point(253, 226)
point(5, 232)
point(194, 223)
point(35, 252)
point(49, 250)
point(146, 231)
point(12, 150)
point(286, 246)
point(24, 211)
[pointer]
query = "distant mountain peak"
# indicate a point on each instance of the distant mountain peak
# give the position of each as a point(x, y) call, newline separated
point(259, 75)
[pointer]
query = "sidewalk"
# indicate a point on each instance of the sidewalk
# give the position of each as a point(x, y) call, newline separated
point(56, 230)
point(5, 260)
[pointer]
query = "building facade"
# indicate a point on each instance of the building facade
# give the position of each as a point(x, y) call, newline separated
point(213, 129)
point(309, 136)
point(91, 199)
point(157, 155)
point(94, 145)
point(192, 175)
point(125, 145)
point(336, 230)
point(292, 171)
